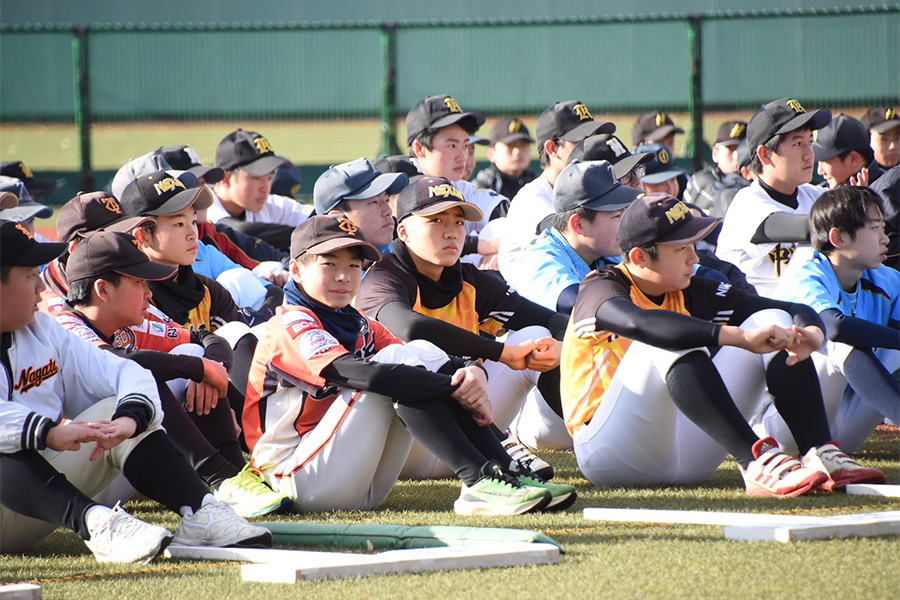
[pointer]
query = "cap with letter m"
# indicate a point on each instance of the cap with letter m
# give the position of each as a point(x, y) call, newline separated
point(661, 219)
point(431, 195)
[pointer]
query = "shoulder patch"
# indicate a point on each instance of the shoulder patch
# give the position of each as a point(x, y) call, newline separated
point(159, 314)
point(157, 329)
point(124, 338)
point(296, 315)
point(316, 342)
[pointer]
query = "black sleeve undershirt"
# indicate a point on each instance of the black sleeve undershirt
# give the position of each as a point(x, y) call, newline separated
point(532, 313)
point(780, 227)
point(859, 333)
point(214, 347)
point(164, 367)
point(566, 301)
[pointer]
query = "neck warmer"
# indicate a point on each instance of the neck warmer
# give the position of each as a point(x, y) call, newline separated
point(178, 296)
point(344, 323)
point(432, 294)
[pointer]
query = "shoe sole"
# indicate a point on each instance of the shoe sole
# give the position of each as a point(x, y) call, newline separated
point(811, 483)
point(484, 508)
point(561, 502)
point(832, 484)
point(163, 544)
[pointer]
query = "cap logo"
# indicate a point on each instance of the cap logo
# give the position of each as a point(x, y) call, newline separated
point(347, 225)
point(888, 115)
point(29, 175)
point(263, 146)
point(663, 156)
point(661, 119)
point(677, 212)
point(445, 190)
point(192, 154)
point(515, 126)
point(27, 233)
point(616, 146)
point(796, 106)
point(167, 185)
point(110, 204)
point(452, 106)
point(737, 131)
point(136, 243)
point(583, 113)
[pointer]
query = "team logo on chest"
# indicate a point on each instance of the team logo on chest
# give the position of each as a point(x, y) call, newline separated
point(32, 378)
point(781, 256)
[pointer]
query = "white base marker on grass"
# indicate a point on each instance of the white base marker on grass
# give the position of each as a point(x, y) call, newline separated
point(21, 591)
point(290, 566)
point(692, 517)
point(870, 489)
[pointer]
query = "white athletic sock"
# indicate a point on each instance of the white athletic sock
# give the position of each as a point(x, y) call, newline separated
point(187, 511)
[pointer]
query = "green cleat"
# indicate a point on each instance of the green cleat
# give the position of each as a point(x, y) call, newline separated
point(249, 496)
point(500, 493)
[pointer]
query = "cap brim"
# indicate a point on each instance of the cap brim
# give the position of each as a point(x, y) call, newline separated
point(824, 153)
point(817, 120)
point(149, 270)
point(264, 165)
point(662, 132)
point(475, 121)
point(662, 176)
point(392, 183)
point(729, 142)
point(369, 251)
point(8, 200)
point(618, 198)
point(695, 229)
point(515, 137)
point(128, 224)
point(27, 211)
point(479, 141)
point(470, 211)
point(629, 163)
point(588, 129)
point(41, 187)
point(209, 174)
point(199, 198)
point(885, 126)
point(37, 255)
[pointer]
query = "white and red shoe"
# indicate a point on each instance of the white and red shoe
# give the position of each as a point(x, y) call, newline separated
point(779, 475)
point(840, 468)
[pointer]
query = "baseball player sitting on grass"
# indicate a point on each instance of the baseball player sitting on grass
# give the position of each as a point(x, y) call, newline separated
point(645, 402)
point(510, 156)
point(51, 469)
point(334, 397)
point(766, 227)
point(858, 299)
point(712, 189)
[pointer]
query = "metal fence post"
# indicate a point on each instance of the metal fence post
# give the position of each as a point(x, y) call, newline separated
point(83, 105)
point(695, 103)
point(389, 89)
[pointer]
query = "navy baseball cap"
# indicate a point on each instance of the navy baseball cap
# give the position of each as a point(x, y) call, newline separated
point(841, 135)
point(26, 208)
point(86, 213)
point(248, 151)
point(569, 122)
point(323, 233)
point(782, 116)
point(113, 251)
point(148, 163)
point(661, 166)
point(661, 219)
point(437, 112)
point(731, 133)
point(355, 180)
point(477, 140)
point(161, 194)
point(185, 158)
point(18, 248)
point(653, 126)
point(36, 187)
point(509, 130)
point(593, 185)
point(881, 119)
point(431, 195)
point(287, 181)
point(608, 147)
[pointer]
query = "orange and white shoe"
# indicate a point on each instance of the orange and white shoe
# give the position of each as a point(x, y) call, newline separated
point(840, 468)
point(779, 475)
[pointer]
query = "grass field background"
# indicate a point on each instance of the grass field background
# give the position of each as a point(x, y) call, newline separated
point(602, 560)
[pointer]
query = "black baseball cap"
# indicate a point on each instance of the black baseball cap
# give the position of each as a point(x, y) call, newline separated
point(842, 134)
point(782, 116)
point(661, 219)
point(87, 213)
point(250, 152)
point(397, 164)
point(653, 126)
point(477, 140)
point(593, 185)
point(431, 195)
point(569, 122)
point(161, 194)
point(661, 166)
point(36, 187)
point(608, 147)
point(185, 158)
point(509, 130)
point(287, 181)
point(26, 208)
point(18, 248)
point(731, 133)
point(743, 154)
point(142, 165)
point(880, 119)
point(324, 233)
point(113, 251)
point(437, 112)
point(354, 180)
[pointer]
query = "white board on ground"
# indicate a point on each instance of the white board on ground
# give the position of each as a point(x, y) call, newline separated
point(692, 517)
point(866, 489)
point(21, 591)
point(843, 526)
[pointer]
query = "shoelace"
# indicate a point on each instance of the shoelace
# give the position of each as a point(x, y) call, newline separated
point(251, 480)
point(503, 477)
point(119, 523)
point(775, 463)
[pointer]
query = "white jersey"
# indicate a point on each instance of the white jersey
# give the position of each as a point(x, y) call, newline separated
point(53, 374)
point(486, 200)
point(280, 210)
point(530, 206)
point(763, 264)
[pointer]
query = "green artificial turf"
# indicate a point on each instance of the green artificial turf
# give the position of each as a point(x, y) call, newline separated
point(602, 560)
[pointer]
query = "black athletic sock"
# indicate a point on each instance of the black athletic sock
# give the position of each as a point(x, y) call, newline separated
point(548, 386)
point(698, 391)
point(32, 487)
point(872, 382)
point(157, 469)
point(798, 399)
point(240, 366)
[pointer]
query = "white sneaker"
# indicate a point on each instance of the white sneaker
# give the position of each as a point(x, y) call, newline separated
point(519, 453)
point(122, 538)
point(776, 474)
point(840, 468)
point(216, 524)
